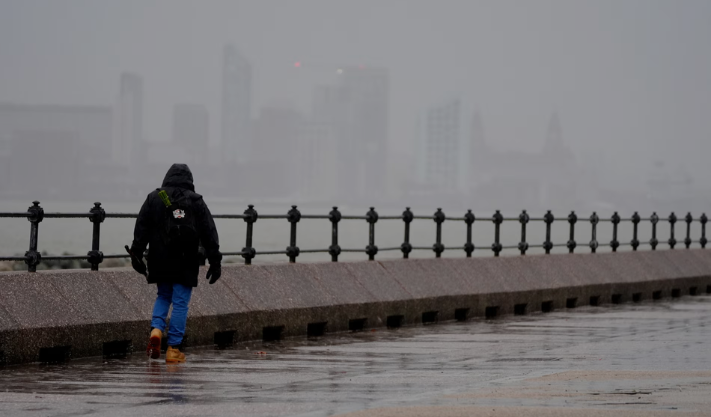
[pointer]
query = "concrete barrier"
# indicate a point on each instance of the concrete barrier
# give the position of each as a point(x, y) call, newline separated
point(53, 315)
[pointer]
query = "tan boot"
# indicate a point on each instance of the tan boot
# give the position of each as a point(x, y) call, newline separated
point(153, 349)
point(173, 355)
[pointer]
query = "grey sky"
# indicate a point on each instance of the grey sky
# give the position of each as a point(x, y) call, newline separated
point(632, 77)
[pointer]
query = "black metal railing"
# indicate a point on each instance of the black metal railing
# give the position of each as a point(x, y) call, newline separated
point(35, 214)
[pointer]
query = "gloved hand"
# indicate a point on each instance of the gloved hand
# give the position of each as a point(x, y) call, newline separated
point(214, 273)
point(137, 261)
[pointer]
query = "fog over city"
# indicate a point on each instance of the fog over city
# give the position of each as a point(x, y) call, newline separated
point(563, 105)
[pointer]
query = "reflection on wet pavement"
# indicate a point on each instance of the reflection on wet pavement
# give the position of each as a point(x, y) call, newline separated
point(648, 356)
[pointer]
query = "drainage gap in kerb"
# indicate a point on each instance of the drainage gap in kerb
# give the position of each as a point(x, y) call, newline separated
point(224, 339)
point(461, 314)
point(657, 295)
point(116, 349)
point(637, 297)
point(520, 309)
point(55, 354)
point(616, 298)
point(394, 322)
point(571, 303)
point(693, 291)
point(595, 300)
point(316, 329)
point(491, 312)
point(676, 293)
point(547, 306)
point(272, 333)
point(430, 317)
point(357, 325)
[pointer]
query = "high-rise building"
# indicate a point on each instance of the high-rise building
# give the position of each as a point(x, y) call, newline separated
point(554, 136)
point(191, 130)
point(442, 155)
point(317, 162)
point(236, 106)
point(478, 148)
point(45, 148)
point(127, 143)
point(361, 123)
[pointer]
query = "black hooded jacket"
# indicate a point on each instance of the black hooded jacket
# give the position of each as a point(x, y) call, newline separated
point(164, 265)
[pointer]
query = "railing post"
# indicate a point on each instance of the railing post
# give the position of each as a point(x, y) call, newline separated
point(654, 242)
point(497, 219)
point(250, 217)
point(32, 256)
point(406, 247)
point(689, 219)
point(549, 219)
point(635, 224)
point(438, 247)
point(95, 256)
point(523, 218)
point(615, 223)
point(371, 217)
point(572, 219)
point(703, 239)
point(469, 219)
point(672, 222)
point(594, 220)
point(334, 249)
point(292, 251)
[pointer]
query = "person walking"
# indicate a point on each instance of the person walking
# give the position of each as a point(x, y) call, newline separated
point(173, 222)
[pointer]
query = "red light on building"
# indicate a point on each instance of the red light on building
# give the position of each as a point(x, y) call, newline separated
point(297, 64)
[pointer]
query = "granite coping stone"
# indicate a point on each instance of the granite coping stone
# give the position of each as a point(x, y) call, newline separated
point(218, 298)
point(94, 296)
point(558, 271)
point(594, 271)
point(480, 277)
point(341, 284)
point(703, 256)
point(140, 294)
point(57, 307)
point(254, 286)
point(34, 302)
point(276, 287)
point(423, 281)
point(625, 267)
point(7, 322)
point(688, 264)
point(658, 264)
point(515, 273)
point(378, 281)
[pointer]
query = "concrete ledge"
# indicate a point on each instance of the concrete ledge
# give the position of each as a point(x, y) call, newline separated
point(50, 315)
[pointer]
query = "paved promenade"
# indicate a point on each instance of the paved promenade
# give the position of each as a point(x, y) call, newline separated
point(647, 359)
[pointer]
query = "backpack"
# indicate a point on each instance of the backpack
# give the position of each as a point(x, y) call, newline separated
point(180, 233)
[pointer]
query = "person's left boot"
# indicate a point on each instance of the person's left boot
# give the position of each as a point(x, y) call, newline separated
point(153, 349)
point(174, 355)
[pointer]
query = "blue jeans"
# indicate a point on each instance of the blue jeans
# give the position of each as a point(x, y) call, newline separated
point(179, 296)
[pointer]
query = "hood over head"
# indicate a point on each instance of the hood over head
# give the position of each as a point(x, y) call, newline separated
point(179, 176)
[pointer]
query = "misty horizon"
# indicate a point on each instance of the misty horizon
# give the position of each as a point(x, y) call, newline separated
point(627, 82)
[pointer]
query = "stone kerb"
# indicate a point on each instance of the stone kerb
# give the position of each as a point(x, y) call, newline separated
point(82, 311)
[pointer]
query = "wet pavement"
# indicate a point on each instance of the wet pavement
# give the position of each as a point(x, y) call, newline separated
point(634, 359)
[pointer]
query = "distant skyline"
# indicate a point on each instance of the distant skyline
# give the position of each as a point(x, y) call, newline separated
point(630, 80)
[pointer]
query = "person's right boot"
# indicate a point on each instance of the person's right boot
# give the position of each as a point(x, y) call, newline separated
point(174, 355)
point(153, 349)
